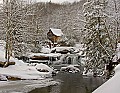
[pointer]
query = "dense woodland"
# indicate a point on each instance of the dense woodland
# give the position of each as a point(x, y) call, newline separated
point(30, 22)
point(42, 16)
point(94, 23)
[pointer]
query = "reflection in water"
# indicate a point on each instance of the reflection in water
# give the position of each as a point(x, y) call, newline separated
point(55, 89)
point(72, 83)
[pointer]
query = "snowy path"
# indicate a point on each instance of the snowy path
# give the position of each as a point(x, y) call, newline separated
point(24, 86)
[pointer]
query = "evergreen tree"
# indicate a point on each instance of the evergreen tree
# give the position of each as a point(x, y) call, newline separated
point(99, 48)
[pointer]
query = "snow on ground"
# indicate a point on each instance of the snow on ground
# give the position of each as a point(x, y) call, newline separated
point(23, 71)
point(20, 69)
point(112, 85)
point(30, 77)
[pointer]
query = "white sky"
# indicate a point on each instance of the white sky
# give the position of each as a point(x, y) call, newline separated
point(55, 1)
point(58, 1)
point(1, 1)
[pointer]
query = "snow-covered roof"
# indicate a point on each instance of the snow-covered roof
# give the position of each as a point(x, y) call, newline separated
point(56, 32)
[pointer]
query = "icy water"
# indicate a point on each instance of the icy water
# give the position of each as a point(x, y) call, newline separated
point(72, 83)
point(23, 86)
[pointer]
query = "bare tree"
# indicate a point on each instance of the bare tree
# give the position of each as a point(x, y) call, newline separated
point(12, 24)
point(8, 28)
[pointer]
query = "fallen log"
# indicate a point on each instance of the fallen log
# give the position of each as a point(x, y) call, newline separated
point(9, 63)
point(13, 78)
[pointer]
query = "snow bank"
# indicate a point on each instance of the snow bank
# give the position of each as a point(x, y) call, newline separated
point(112, 85)
point(43, 67)
point(28, 77)
point(20, 70)
point(23, 72)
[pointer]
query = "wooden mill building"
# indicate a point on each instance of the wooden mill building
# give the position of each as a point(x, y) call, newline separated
point(54, 35)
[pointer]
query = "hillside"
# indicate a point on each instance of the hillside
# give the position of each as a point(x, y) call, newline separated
point(64, 16)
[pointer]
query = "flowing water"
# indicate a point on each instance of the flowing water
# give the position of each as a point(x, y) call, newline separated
point(72, 83)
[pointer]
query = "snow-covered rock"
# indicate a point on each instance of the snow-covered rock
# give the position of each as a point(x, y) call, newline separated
point(3, 78)
point(46, 55)
point(88, 73)
point(70, 69)
point(45, 50)
point(43, 67)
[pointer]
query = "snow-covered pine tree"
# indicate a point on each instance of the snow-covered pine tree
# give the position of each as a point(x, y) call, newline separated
point(113, 10)
point(99, 48)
